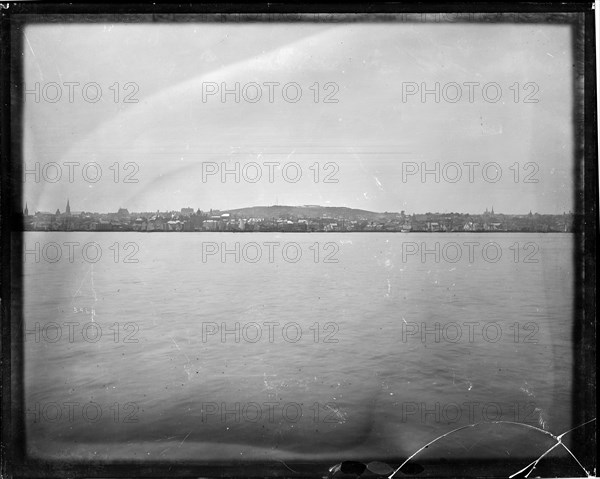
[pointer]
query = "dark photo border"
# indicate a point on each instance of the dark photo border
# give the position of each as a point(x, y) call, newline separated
point(13, 18)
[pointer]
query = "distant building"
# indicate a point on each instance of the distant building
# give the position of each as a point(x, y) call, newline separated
point(156, 223)
point(102, 225)
point(210, 225)
point(174, 225)
point(140, 224)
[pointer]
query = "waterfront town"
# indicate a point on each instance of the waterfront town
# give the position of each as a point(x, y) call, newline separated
point(280, 218)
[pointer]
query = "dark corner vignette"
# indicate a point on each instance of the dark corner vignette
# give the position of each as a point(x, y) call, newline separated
point(15, 463)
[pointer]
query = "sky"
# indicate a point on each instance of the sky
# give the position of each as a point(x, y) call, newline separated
point(371, 145)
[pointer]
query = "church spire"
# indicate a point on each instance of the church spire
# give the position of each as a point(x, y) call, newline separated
point(68, 208)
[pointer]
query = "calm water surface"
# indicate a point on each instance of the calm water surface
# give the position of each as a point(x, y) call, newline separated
point(180, 356)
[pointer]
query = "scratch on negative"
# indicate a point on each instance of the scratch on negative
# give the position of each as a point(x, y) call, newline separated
point(532, 465)
point(32, 52)
point(188, 435)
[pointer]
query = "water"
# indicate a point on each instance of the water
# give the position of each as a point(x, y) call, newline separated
point(143, 371)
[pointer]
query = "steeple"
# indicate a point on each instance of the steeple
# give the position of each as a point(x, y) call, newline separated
point(26, 212)
point(68, 208)
point(492, 210)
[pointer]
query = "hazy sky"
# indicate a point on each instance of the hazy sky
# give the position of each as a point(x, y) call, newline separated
point(370, 134)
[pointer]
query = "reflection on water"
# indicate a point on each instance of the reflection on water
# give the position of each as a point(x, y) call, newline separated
point(181, 355)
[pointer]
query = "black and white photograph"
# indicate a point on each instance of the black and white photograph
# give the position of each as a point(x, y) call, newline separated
point(298, 241)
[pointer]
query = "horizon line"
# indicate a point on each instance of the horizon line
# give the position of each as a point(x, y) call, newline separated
point(309, 206)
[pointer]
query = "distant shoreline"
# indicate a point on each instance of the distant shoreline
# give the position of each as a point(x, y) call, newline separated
point(295, 232)
point(294, 219)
